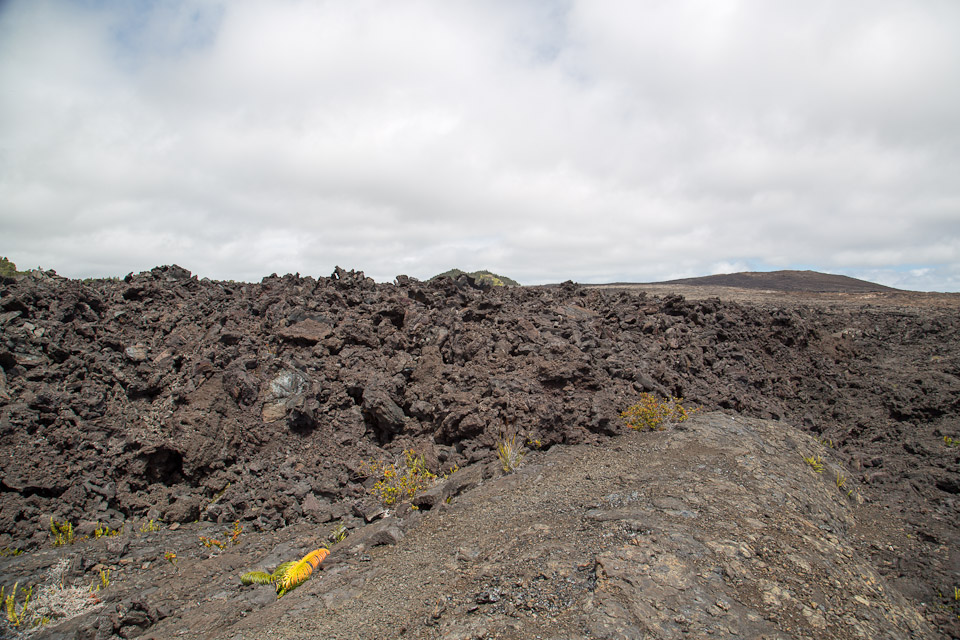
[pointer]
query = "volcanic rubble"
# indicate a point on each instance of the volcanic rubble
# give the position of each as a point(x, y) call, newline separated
point(166, 401)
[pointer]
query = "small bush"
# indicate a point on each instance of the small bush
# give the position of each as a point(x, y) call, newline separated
point(510, 454)
point(8, 268)
point(653, 414)
point(401, 480)
point(62, 533)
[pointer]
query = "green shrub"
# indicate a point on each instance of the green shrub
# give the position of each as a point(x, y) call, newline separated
point(62, 533)
point(401, 480)
point(510, 454)
point(8, 268)
point(653, 414)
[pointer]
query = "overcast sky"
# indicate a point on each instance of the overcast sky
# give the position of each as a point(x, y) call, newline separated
point(592, 140)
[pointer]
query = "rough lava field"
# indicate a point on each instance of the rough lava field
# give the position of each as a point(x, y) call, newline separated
point(177, 410)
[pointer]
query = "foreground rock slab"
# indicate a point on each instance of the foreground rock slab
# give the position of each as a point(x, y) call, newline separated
point(716, 528)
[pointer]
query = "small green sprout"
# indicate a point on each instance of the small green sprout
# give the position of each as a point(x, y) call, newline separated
point(14, 617)
point(104, 581)
point(62, 533)
point(150, 525)
point(338, 534)
point(815, 462)
point(104, 531)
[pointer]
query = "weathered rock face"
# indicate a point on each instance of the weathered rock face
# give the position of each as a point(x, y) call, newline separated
point(151, 396)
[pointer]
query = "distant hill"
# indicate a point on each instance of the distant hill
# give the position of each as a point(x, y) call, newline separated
point(784, 281)
point(481, 276)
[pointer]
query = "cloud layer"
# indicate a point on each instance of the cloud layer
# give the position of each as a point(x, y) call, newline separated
point(596, 141)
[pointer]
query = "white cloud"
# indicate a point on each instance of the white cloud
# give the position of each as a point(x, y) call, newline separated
point(598, 140)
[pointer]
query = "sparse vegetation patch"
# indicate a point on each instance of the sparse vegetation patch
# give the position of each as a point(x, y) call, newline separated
point(653, 414)
point(231, 536)
point(815, 463)
point(103, 531)
point(61, 533)
point(401, 480)
point(150, 526)
point(510, 453)
point(51, 600)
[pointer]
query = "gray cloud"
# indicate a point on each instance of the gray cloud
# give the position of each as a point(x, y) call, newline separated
point(596, 141)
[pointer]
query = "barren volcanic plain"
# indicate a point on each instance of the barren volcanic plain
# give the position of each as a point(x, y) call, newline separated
point(220, 427)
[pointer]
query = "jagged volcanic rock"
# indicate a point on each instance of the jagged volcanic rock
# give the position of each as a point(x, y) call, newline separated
point(164, 396)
